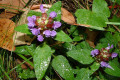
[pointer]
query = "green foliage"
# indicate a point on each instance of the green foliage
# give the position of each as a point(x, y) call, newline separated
point(41, 59)
point(83, 45)
point(97, 18)
point(61, 65)
point(81, 55)
point(115, 71)
point(61, 36)
point(72, 58)
point(31, 13)
point(23, 28)
point(83, 74)
point(95, 66)
point(26, 74)
point(26, 50)
point(109, 38)
point(57, 8)
point(100, 7)
point(69, 46)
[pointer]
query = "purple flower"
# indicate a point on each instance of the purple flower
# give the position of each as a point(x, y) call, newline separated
point(47, 33)
point(31, 24)
point(53, 33)
point(56, 24)
point(104, 64)
point(109, 47)
point(53, 14)
point(31, 21)
point(42, 9)
point(34, 18)
point(40, 38)
point(114, 55)
point(35, 31)
point(94, 52)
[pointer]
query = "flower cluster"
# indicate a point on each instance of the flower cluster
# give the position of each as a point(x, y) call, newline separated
point(104, 55)
point(41, 26)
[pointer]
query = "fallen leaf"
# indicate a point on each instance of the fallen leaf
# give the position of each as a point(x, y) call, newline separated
point(11, 7)
point(91, 36)
point(66, 15)
point(6, 34)
point(7, 15)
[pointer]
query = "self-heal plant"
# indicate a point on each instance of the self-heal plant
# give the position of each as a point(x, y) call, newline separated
point(103, 56)
point(43, 26)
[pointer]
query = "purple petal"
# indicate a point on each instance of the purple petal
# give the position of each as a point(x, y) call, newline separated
point(30, 19)
point(31, 24)
point(53, 14)
point(96, 51)
point(34, 18)
point(42, 9)
point(47, 33)
point(104, 64)
point(40, 38)
point(109, 47)
point(114, 55)
point(53, 33)
point(92, 53)
point(56, 24)
point(112, 46)
point(35, 31)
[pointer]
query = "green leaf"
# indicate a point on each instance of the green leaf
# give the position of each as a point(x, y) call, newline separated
point(23, 28)
point(74, 31)
point(108, 38)
point(87, 17)
point(77, 38)
point(94, 67)
point(115, 19)
point(61, 36)
point(115, 72)
point(95, 18)
point(83, 45)
point(61, 65)
point(101, 8)
point(41, 59)
point(69, 46)
point(31, 13)
point(26, 50)
point(57, 8)
point(83, 74)
point(81, 55)
point(26, 74)
point(47, 78)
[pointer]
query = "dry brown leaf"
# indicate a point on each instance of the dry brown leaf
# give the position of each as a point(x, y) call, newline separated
point(66, 15)
point(7, 15)
point(11, 7)
point(91, 36)
point(6, 34)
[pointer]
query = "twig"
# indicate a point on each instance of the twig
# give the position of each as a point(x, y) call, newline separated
point(117, 28)
point(58, 75)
